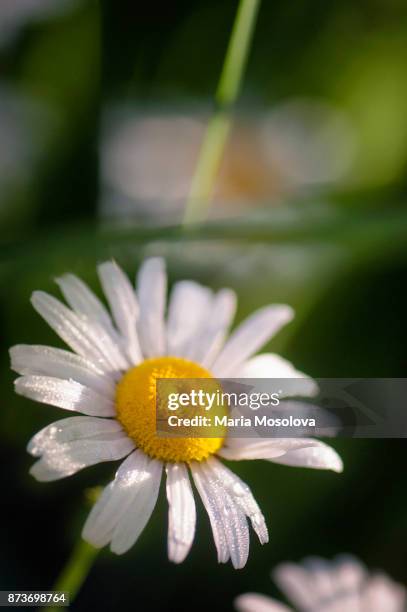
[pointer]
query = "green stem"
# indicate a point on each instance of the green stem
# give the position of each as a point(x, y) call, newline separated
point(75, 571)
point(218, 128)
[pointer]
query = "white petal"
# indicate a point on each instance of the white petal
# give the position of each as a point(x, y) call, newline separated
point(253, 602)
point(317, 455)
point(123, 303)
point(66, 448)
point(66, 394)
point(214, 513)
point(49, 361)
point(213, 332)
point(383, 595)
point(322, 578)
point(242, 495)
point(89, 308)
point(181, 512)
point(78, 455)
point(71, 429)
point(188, 308)
point(151, 293)
point(228, 521)
point(300, 452)
point(295, 582)
point(88, 340)
point(114, 501)
point(249, 337)
point(271, 366)
point(142, 505)
point(349, 573)
point(237, 449)
point(337, 585)
point(316, 584)
point(123, 509)
point(83, 301)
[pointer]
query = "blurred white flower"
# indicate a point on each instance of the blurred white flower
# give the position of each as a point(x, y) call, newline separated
point(341, 585)
point(148, 159)
point(310, 141)
point(110, 377)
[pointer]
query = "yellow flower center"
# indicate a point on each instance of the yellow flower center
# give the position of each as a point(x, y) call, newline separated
point(138, 409)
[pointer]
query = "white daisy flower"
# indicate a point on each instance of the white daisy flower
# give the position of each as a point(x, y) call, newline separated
point(110, 377)
point(341, 585)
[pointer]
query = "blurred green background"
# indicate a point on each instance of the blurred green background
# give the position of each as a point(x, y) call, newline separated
point(102, 109)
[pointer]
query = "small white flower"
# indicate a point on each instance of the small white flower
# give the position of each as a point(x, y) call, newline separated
point(341, 585)
point(110, 377)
